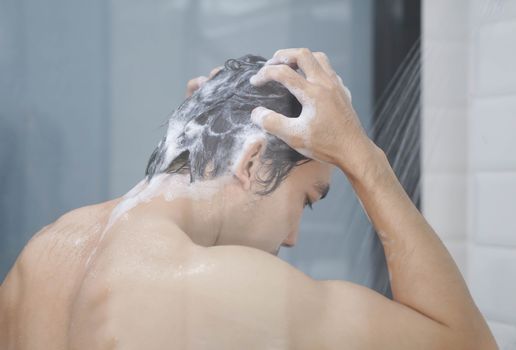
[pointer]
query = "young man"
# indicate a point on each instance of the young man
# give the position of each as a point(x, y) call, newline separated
point(186, 260)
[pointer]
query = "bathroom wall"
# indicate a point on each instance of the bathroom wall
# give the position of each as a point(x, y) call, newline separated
point(469, 147)
point(53, 115)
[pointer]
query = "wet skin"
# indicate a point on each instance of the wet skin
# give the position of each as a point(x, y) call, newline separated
point(57, 296)
point(155, 281)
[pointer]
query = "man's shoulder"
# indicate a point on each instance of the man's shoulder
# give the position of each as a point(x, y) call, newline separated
point(217, 292)
point(179, 261)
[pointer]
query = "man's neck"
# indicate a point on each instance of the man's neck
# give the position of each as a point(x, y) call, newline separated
point(194, 208)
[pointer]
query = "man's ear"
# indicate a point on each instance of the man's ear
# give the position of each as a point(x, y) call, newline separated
point(248, 163)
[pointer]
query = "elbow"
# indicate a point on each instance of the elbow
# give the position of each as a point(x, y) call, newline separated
point(472, 341)
point(473, 332)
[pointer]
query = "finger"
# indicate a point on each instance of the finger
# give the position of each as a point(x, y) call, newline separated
point(323, 60)
point(194, 84)
point(214, 71)
point(302, 58)
point(191, 86)
point(274, 123)
point(285, 75)
point(346, 90)
point(201, 81)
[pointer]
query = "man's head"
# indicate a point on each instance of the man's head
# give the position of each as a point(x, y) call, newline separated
point(211, 134)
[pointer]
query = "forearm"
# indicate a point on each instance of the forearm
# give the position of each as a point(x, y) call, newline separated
point(423, 274)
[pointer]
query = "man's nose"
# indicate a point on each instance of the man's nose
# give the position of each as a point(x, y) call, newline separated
point(290, 241)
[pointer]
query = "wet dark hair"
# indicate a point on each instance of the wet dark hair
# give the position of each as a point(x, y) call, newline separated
point(214, 120)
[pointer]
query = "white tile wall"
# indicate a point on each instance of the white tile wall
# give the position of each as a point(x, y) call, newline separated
point(434, 119)
point(505, 335)
point(494, 209)
point(444, 204)
point(445, 73)
point(451, 25)
point(483, 11)
point(492, 133)
point(444, 139)
point(473, 210)
point(494, 57)
point(492, 281)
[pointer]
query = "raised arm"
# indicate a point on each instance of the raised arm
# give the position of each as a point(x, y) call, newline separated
point(424, 276)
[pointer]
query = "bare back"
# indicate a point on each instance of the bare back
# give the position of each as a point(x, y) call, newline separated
point(145, 284)
point(37, 294)
point(148, 286)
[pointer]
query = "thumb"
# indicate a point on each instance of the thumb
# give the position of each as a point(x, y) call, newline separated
point(272, 122)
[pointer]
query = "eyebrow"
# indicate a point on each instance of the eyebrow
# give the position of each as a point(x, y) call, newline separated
point(322, 188)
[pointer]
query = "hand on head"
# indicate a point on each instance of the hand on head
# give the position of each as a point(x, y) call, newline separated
point(328, 125)
point(195, 83)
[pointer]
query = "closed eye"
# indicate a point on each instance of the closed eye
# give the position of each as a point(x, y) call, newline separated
point(322, 189)
point(308, 202)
